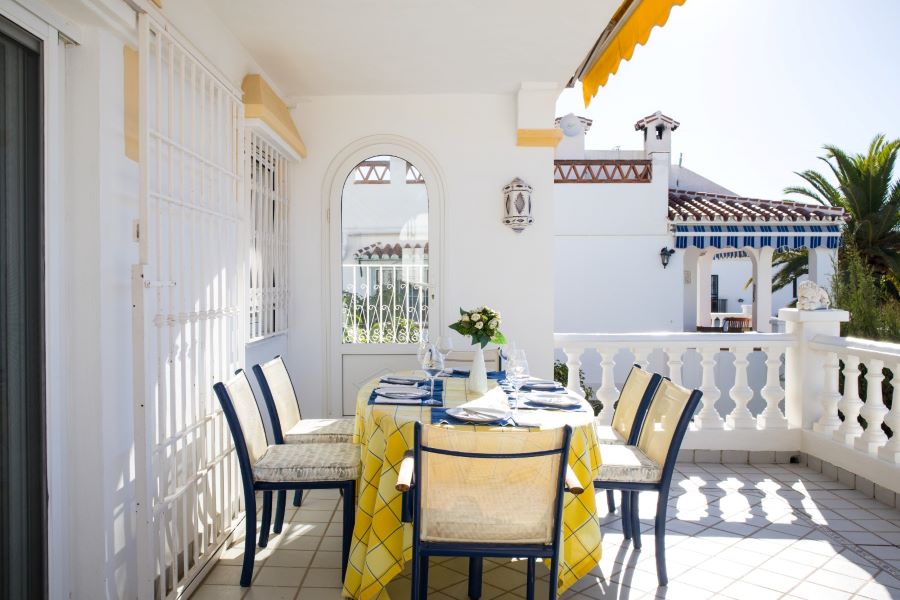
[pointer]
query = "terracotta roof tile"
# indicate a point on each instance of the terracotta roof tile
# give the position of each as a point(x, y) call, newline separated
point(688, 206)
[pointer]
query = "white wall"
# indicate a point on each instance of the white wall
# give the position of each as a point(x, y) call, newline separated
point(608, 276)
point(472, 138)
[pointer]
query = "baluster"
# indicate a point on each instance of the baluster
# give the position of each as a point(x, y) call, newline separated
point(641, 356)
point(675, 363)
point(708, 417)
point(573, 364)
point(608, 393)
point(873, 410)
point(741, 393)
point(850, 403)
point(829, 422)
point(773, 393)
point(891, 451)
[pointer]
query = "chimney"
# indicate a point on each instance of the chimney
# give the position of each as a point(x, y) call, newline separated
point(657, 130)
point(574, 128)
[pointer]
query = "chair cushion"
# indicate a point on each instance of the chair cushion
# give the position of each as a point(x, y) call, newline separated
point(606, 434)
point(627, 463)
point(307, 431)
point(308, 462)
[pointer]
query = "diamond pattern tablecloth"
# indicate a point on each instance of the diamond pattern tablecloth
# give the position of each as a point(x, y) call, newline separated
point(382, 543)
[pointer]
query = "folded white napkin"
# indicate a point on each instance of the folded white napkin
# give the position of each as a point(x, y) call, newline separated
point(492, 403)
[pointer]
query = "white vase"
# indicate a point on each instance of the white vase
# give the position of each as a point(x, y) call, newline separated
point(478, 372)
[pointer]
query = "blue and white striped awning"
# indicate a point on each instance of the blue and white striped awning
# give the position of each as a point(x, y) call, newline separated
point(780, 237)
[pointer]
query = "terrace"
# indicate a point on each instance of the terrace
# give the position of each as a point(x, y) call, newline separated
point(221, 184)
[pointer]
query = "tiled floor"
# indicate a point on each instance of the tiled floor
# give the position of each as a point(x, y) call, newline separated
point(735, 531)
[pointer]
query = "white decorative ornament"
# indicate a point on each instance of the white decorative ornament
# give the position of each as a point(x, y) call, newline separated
point(811, 296)
point(517, 203)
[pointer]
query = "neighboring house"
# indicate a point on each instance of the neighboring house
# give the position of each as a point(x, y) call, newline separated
point(662, 248)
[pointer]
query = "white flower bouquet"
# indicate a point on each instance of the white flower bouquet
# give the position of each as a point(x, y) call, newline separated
point(481, 324)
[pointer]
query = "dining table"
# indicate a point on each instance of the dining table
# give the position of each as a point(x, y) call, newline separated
point(382, 542)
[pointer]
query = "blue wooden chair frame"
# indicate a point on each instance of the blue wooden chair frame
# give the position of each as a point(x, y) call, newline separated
point(269, 400)
point(423, 550)
point(636, 426)
point(630, 491)
point(251, 487)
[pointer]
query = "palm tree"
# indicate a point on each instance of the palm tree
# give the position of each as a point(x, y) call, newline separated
point(866, 190)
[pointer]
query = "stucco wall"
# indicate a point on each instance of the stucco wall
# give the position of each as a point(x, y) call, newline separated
point(472, 139)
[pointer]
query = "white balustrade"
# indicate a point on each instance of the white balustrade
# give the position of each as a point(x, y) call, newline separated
point(829, 422)
point(891, 451)
point(573, 365)
point(873, 411)
point(674, 348)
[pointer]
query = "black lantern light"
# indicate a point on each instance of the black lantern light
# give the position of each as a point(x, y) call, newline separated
point(664, 255)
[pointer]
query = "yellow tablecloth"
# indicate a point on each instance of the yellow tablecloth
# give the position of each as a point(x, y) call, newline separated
point(382, 543)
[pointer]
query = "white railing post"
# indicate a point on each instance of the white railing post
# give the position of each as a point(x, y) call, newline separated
point(873, 411)
point(740, 392)
point(829, 422)
point(891, 451)
point(608, 392)
point(641, 356)
point(803, 366)
point(709, 417)
point(850, 403)
point(773, 393)
point(573, 364)
point(675, 363)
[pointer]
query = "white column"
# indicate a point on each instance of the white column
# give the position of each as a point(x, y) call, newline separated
point(850, 403)
point(821, 265)
point(709, 417)
point(891, 451)
point(704, 291)
point(675, 363)
point(608, 393)
point(773, 393)
point(573, 364)
point(804, 383)
point(873, 411)
point(741, 393)
point(762, 289)
point(690, 260)
point(829, 422)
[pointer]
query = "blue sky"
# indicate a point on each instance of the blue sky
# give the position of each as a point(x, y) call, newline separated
point(758, 86)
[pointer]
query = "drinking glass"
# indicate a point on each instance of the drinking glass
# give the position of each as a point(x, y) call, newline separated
point(517, 373)
point(432, 363)
point(444, 346)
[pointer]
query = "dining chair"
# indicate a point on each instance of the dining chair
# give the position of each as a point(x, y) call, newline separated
point(281, 467)
point(648, 466)
point(288, 426)
point(628, 416)
point(487, 494)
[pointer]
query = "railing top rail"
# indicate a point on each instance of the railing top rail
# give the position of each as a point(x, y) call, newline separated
point(669, 338)
point(863, 348)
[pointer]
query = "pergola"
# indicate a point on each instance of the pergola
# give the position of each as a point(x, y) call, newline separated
point(706, 225)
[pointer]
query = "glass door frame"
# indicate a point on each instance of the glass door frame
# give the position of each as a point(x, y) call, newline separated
point(339, 170)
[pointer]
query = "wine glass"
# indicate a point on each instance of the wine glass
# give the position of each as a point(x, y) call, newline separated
point(432, 363)
point(444, 346)
point(517, 373)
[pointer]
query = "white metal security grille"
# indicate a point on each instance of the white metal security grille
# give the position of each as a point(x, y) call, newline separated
point(189, 327)
point(268, 298)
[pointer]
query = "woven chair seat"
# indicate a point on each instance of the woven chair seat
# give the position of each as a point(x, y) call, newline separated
point(606, 434)
point(627, 463)
point(308, 431)
point(308, 462)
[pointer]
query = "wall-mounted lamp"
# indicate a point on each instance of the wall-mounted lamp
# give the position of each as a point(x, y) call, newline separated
point(664, 255)
point(517, 205)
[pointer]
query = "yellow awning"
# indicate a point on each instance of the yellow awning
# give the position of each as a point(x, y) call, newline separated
point(632, 31)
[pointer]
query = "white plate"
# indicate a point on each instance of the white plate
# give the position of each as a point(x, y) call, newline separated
point(404, 381)
point(464, 415)
point(401, 392)
point(554, 400)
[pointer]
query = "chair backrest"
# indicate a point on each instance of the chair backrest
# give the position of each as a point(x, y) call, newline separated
point(633, 402)
point(502, 487)
point(666, 422)
point(462, 359)
point(279, 396)
point(244, 420)
point(737, 324)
